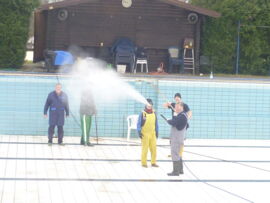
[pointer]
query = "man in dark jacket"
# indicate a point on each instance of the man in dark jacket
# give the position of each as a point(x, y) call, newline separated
point(87, 110)
point(177, 135)
point(57, 102)
point(177, 98)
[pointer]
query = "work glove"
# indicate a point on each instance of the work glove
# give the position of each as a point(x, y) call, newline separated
point(140, 135)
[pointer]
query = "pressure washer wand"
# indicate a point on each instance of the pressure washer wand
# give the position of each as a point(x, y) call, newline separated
point(96, 128)
point(161, 94)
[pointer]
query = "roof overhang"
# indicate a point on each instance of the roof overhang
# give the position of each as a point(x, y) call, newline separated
point(65, 3)
point(190, 7)
point(177, 3)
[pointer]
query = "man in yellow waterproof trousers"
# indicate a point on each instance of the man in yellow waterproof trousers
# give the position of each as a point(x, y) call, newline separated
point(147, 128)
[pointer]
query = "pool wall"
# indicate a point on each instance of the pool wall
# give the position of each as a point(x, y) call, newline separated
point(222, 109)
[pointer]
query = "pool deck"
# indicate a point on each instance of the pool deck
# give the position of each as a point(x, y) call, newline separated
point(215, 171)
point(39, 70)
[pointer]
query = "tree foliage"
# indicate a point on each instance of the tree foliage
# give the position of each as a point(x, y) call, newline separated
point(14, 25)
point(219, 39)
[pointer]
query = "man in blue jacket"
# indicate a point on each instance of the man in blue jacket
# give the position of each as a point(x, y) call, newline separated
point(57, 102)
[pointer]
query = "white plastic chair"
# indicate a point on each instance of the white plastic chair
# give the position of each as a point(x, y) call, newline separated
point(141, 62)
point(132, 121)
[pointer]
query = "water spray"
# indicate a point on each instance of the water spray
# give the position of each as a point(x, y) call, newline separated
point(157, 90)
point(106, 86)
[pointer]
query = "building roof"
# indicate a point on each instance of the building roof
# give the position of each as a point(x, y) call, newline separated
point(191, 7)
point(177, 3)
point(65, 3)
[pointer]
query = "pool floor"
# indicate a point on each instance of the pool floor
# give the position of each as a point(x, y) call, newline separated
point(215, 171)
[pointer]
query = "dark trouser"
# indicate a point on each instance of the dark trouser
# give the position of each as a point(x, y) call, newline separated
point(60, 133)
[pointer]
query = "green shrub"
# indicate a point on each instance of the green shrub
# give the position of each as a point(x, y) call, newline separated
point(14, 26)
point(219, 38)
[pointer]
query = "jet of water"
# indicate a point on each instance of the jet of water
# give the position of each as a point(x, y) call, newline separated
point(106, 86)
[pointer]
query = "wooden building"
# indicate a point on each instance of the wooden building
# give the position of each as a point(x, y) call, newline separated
point(94, 25)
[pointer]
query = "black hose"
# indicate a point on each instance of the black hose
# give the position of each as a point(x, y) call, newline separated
point(96, 129)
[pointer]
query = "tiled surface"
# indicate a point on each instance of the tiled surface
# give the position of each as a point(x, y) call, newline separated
point(215, 171)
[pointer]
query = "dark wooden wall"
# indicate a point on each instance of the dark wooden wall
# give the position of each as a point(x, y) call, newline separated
point(40, 35)
point(148, 23)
